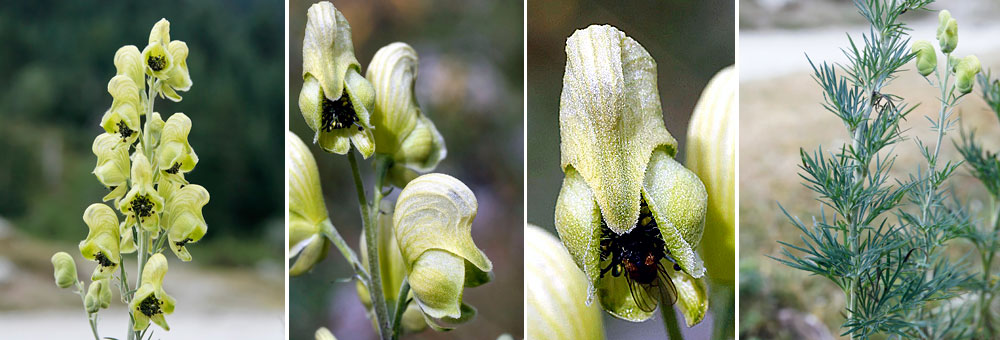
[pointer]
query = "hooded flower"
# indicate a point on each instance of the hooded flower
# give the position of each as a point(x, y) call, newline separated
point(142, 202)
point(623, 194)
point(947, 32)
point(402, 131)
point(98, 295)
point(183, 220)
point(926, 57)
point(101, 244)
point(711, 155)
point(965, 72)
point(151, 302)
point(122, 119)
point(555, 292)
point(64, 269)
point(392, 271)
point(433, 228)
point(112, 167)
point(306, 209)
point(336, 101)
point(174, 155)
point(128, 62)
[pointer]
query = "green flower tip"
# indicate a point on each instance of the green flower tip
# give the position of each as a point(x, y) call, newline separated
point(64, 269)
point(150, 302)
point(306, 209)
point(102, 242)
point(556, 292)
point(966, 71)
point(433, 227)
point(947, 32)
point(926, 57)
point(628, 212)
point(335, 100)
point(402, 131)
point(711, 155)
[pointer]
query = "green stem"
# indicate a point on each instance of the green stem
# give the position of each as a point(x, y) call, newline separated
point(138, 277)
point(370, 224)
point(90, 316)
point(670, 323)
point(401, 302)
point(331, 233)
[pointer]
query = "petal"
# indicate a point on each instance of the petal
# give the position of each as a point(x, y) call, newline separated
point(160, 34)
point(435, 211)
point(327, 49)
point(678, 201)
point(437, 278)
point(154, 271)
point(313, 251)
point(180, 78)
point(556, 291)
point(128, 61)
point(578, 222)
point(184, 221)
point(160, 320)
point(364, 142)
point(127, 244)
point(336, 141)
point(305, 194)
point(157, 60)
point(113, 166)
point(141, 320)
point(692, 298)
point(311, 103)
point(392, 72)
point(711, 155)
point(610, 119)
point(423, 148)
point(616, 298)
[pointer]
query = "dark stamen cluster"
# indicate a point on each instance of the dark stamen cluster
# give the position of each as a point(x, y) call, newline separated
point(142, 206)
point(637, 252)
point(338, 114)
point(157, 63)
point(173, 169)
point(150, 306)
point(184, 242)
point(124, 130)
point(102, 260)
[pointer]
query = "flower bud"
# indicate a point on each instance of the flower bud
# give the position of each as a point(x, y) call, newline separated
point(102, 242)
point(947, 32)
point(336, 101)
point(556, 292)
point(64, 269)
point(926, 57)
point(711, 155)
point(324, 334)
point(151, 302)
point(92, 301)
point(433, 226)
point(306, 208)
point(965, 73)
point(401, 129)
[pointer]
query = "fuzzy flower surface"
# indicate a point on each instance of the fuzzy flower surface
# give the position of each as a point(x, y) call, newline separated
point(627, 211)
point(306, 208)
point(150, 302)
point(101, 244)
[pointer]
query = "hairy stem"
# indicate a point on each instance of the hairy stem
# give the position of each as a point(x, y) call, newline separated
point(401, 302)
point(670, 323)
point(331, 233)
point(90, 316)
point(370, 224)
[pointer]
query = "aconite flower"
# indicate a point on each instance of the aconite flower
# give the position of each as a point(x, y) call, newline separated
point(122, 119)
point(392, 271)
point(101, 244)
point(166, 61)
point(183, 219)
point(433, 227)
point(174, 155)
point(336, 101)
point(947, 32)
point(926, 57)
point(965, 72)
point(555, 292)
point(629, 214)
point(711, 155)
point(113, 165)
point(402, 131)
point(128, 62)
point(142, 203)
point(306, 209)
point(64, 269)
point(151, 302)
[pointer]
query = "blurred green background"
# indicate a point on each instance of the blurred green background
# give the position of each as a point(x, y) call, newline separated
point(690, 41)
point(56, 61)
point(470, 84)
point(781, 112)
